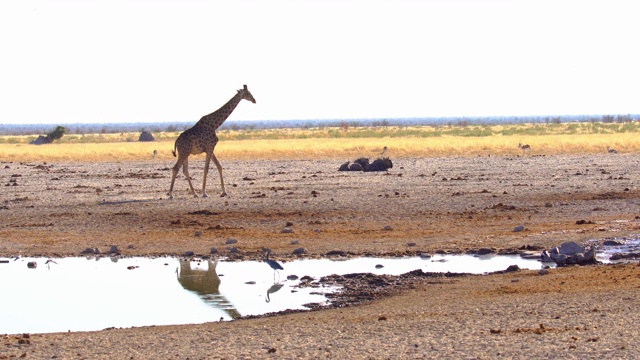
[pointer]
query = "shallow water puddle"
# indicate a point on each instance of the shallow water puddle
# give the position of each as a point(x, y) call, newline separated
point(82, 294)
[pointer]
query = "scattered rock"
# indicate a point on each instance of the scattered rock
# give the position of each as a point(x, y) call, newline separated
point(336, 253)
point(583, 222)
point(382, 164)
point(512, 268)
point(570, 253)
point(214, 250)
point(198, 233)
point(287, 230)
point(518, 228)
point(387, 228)
point(294, 242)
point(87, 251)
point(379, 266)
point(299, 251)
point(356, 167)
point(231, 241)
point(188, 253)
point(425, 256)
point(611, 243)
point(411, 244)
point(485, 251)
point(544, 271)
point(114, 249)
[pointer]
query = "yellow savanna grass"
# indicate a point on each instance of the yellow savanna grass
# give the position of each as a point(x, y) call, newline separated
point(331, 148)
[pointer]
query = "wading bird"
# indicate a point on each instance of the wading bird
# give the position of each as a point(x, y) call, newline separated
point(274, 264)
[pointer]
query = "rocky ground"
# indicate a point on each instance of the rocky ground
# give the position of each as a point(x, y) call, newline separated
point(453, 204)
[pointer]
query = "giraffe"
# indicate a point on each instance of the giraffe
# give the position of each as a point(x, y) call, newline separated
point(202, 138)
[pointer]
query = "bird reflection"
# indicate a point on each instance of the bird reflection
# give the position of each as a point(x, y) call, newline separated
point(206, 283)
point(50, 261)
point(273, 289)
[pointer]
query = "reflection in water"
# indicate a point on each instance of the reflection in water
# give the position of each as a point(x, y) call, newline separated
point(206, 283)
point(273, 289)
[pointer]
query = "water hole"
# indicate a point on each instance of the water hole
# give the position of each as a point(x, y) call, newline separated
point(95, 293)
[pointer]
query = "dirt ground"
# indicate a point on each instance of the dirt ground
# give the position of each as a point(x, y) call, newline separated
point(452, 204)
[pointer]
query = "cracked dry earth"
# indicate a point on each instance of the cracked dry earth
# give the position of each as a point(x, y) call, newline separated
point(452, 204)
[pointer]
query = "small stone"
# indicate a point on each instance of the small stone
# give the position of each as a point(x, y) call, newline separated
point(87, 251)
point(294, 242)
point(515, 280)
point(287, 230)
point(198, 233)
point(114, 249)
point(387, 228)
point(411, 244)
point(382, 318)
point(231, 241)
point(379, 266)
point(234, 250)
point(188, 253)
point(97, 251)
point(485, 251)
point(214, 250)
point(543, 271)
point(518, 228)
point(299, 251)
point(512, 268)
point(289, 224)
point(425, 256)
point(336, 253)
point(130, 246)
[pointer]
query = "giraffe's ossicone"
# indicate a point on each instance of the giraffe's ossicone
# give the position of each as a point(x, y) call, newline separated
point(202, 138)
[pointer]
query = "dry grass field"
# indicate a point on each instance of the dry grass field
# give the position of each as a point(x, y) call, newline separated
point(298, 144)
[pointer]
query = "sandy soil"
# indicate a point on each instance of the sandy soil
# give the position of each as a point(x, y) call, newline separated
point(453, 204)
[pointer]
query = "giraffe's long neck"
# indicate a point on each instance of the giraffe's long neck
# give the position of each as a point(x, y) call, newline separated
point(216, 118)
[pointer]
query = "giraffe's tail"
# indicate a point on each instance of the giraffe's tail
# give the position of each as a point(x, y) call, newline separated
point(174, 149)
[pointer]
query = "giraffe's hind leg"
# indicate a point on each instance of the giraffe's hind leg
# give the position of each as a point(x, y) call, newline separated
point(217, 163)
point(185, 170)
point(174, 172)
point(184, 162)
point(207, 160)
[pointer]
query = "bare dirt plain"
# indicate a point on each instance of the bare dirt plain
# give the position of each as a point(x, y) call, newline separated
point(452, 204)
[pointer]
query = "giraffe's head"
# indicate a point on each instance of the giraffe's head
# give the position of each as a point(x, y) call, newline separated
point(246, 95)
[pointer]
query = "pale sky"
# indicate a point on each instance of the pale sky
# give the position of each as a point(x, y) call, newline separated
point(173, 61)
